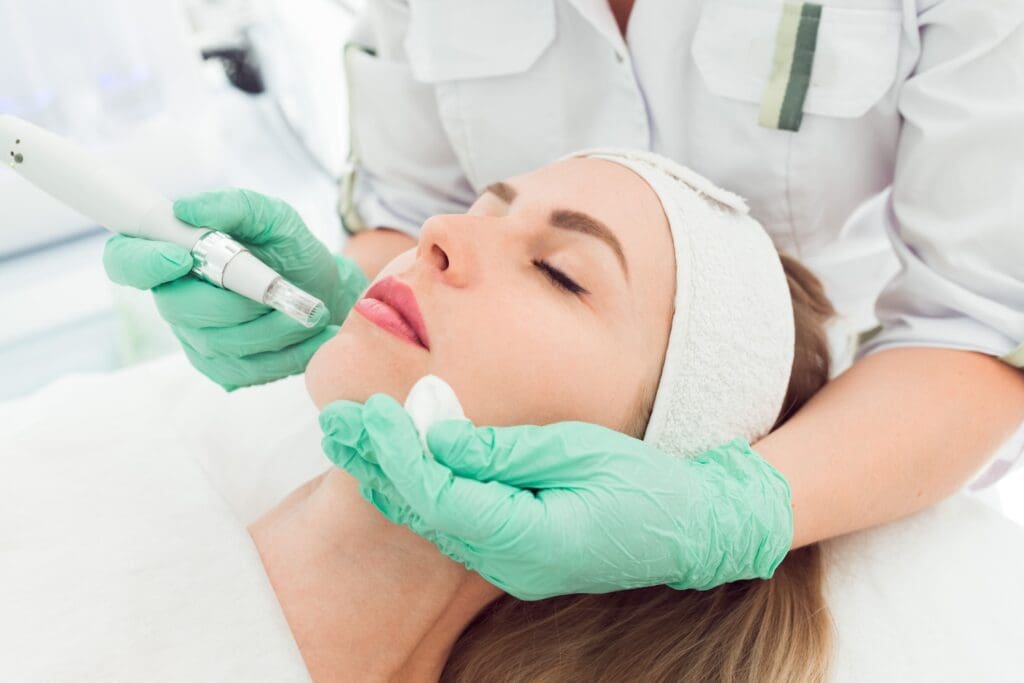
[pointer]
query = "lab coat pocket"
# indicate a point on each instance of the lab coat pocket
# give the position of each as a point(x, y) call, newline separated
point(855, 58)
point(481, 57)
point(848, 121)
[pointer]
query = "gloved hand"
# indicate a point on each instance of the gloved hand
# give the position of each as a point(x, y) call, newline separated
point(569, 507)
point(233, 340)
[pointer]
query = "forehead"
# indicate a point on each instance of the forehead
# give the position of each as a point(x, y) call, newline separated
point(602, 188)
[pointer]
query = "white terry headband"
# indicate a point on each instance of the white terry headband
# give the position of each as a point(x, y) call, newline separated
point(730, 347)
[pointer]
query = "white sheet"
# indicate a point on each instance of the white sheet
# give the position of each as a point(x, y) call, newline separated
point(124, 557)
point(123, 550)
point(934, 597)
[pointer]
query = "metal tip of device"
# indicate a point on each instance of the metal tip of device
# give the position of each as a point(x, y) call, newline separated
point(293, 302)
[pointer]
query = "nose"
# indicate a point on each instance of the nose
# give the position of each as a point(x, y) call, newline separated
point(445, 247)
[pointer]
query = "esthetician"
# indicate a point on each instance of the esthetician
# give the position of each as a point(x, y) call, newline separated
point(882, 143)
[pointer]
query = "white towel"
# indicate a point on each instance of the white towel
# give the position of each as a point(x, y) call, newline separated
point(730, 346)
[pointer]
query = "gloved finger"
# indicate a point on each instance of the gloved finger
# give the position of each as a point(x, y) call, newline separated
point(249, 216)
point(142, 263)
point(464, 508)
point(528, 457)
point(259, 368)
point(449, 546)
point(204, 365)
point(346, 445)
point(270, 332)
point(470, 557)
point(377, 489)
point(344, 441)
point(191, 302)
point(467, 555)
point(342, 425)
point(395, 511)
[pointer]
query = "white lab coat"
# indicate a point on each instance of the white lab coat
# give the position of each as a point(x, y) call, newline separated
point(903, 189)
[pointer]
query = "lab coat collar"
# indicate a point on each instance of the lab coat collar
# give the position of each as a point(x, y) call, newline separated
point(599, 14)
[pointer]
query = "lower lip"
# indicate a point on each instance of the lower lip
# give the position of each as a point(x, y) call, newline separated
point(386, 318)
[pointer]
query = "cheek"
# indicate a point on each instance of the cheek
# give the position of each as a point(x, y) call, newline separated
point(534, 362)
point(398, 264)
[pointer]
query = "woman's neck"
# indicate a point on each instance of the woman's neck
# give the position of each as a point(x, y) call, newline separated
point(365, 599)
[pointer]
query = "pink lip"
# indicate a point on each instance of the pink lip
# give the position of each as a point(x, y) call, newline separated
point(391, 305)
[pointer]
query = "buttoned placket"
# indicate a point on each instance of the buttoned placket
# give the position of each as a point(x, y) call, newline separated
point(599, 15)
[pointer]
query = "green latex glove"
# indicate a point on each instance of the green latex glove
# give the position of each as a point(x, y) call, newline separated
point(569, 507)
point(233, 340)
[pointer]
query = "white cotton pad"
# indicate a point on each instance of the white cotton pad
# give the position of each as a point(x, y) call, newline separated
point(432, 400)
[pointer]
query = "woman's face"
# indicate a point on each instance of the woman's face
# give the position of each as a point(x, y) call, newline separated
point(549, 300)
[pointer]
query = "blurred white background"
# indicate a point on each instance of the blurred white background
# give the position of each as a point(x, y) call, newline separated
point(128, 78)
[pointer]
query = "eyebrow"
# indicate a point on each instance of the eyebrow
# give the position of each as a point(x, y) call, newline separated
point(569, 219)
point(503, 191)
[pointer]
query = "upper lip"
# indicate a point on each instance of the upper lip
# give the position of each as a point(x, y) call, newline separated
point(400, 297)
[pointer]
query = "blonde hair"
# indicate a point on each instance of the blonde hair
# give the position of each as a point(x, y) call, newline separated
point(774, 630)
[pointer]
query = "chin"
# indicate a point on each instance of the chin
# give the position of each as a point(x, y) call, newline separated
point(357, 363)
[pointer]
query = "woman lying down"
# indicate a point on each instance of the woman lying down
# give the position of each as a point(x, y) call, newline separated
point(613, 288)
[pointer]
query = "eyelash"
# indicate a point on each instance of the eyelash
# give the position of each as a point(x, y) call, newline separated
point(558, 278)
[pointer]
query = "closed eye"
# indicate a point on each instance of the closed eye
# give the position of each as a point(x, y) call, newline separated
point(558, 278)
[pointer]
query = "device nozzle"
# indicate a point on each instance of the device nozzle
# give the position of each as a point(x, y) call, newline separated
point(293, 302)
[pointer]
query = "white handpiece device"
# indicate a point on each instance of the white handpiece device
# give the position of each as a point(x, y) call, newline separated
point(122, 204)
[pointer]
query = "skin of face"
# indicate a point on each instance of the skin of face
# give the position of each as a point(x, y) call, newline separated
point(516, 348)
